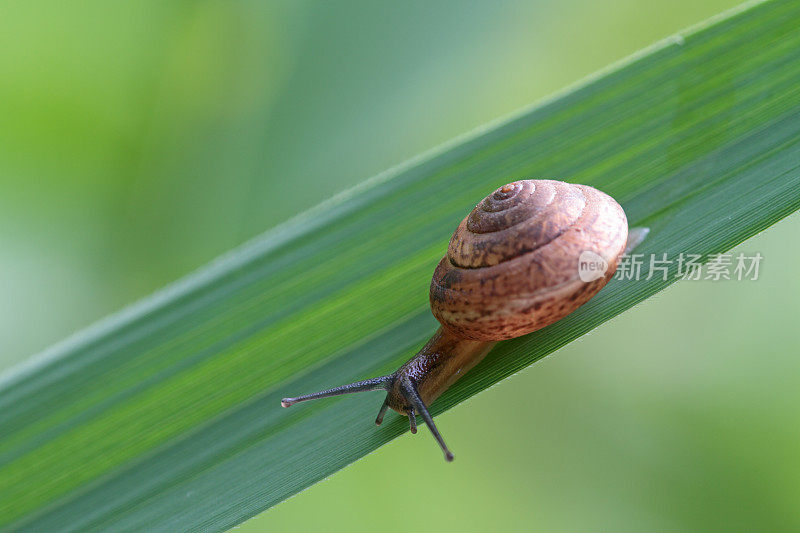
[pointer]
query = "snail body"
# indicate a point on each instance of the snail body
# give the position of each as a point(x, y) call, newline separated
point(511, 268)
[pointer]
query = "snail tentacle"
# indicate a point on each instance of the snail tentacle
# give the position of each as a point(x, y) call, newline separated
point(412, 420)
point(381, 383)
point(382, 411)
point(410, 392)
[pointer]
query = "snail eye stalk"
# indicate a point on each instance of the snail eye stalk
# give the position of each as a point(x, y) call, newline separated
point(410, 393)
point(407, 391)
point(381, 383)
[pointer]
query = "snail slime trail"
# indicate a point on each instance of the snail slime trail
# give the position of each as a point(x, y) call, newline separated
point(511, 268)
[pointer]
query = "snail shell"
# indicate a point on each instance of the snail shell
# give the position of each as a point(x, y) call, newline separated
point(512, 265)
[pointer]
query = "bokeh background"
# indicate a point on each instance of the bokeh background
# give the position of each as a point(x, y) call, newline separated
point(139, 140)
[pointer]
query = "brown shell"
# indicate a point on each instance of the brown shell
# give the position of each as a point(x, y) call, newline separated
point(512, 265)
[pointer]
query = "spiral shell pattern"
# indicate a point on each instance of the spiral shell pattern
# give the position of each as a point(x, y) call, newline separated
point(512, 266)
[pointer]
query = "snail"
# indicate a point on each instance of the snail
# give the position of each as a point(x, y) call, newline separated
point(514, 265)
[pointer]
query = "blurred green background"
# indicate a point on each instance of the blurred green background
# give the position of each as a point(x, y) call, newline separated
point(139, 140)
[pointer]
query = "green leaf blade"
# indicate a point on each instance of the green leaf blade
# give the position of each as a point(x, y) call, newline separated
point(167, 416)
